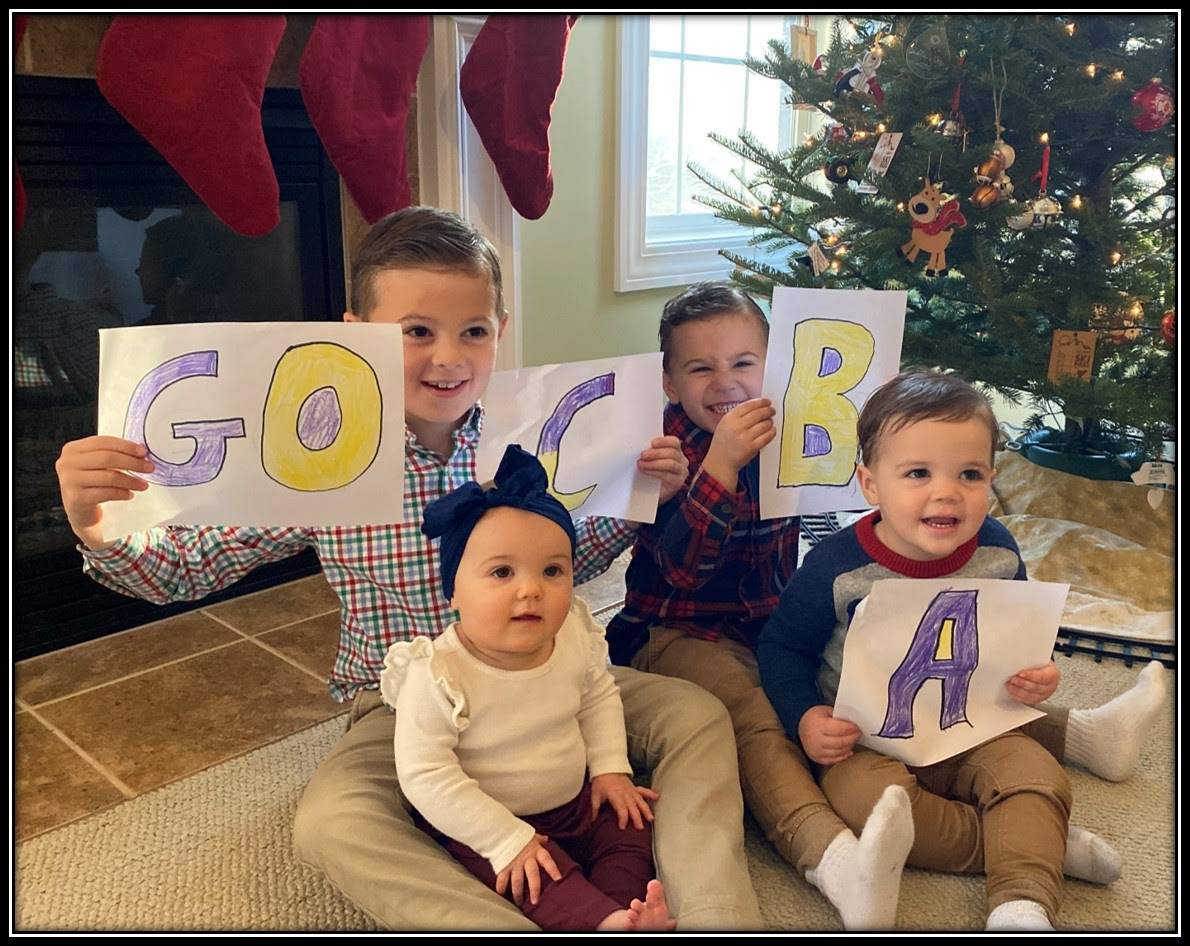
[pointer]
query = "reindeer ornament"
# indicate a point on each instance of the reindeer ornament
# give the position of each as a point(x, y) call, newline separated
point(934, 215)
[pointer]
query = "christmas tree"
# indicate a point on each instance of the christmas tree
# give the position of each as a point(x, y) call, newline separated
point(1036, 152)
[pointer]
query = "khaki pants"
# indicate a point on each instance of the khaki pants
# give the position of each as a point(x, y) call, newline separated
point(778, 785)
point(353, 824)
point(1002, 808)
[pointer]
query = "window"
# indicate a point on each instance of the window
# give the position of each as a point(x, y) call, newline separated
point(679, 78)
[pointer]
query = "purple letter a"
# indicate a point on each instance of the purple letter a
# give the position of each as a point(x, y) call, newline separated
point(945, 647)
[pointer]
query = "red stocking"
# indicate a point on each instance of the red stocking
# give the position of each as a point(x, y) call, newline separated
point(357, 74)
point(508, 83)
point(192, 85)
point(19, 202)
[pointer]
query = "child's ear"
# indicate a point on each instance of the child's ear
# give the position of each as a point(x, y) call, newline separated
point(867, 484)
point(503, 325)
point(667, 386)
point(351, 317)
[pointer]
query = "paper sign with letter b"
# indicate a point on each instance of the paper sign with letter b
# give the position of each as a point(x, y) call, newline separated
point(925, 661)
point(257, 424)
point(829, 349)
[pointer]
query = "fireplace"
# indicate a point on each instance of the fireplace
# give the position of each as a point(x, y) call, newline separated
point(113, 236)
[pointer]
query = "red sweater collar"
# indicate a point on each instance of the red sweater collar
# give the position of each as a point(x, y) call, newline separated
point(865, 531)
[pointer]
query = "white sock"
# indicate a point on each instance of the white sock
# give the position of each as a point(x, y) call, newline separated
point(861, 877)
point(1019, 915)
point(1107, 740)
point(1089, 857)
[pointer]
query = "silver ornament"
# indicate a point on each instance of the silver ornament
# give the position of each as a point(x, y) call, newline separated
point(1023, 220)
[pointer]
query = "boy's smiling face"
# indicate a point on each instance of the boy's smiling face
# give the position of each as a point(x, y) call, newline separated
point(715, 364)
point(451, 330)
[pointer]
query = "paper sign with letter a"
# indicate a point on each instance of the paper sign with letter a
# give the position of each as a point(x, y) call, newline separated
point(587, 423)
point(257, 423)
point(829, 349)
point(925, 661)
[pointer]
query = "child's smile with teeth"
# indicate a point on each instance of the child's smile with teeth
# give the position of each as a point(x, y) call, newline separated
point(929, 465)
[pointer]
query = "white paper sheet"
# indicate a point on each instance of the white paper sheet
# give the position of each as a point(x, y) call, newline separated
point(258, 423)
point(587, 421)
point(925, 661)
point(829, 349)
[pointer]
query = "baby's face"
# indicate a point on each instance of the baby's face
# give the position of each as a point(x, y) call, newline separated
point(715, 364)
point(513, 588)
point(931, 480)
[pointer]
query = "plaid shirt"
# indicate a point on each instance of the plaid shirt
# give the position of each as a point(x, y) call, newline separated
point(709, 566)
point(386, 576)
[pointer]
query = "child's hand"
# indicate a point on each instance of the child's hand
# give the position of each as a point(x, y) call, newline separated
point(525, 870)
point(627, 798)
point(92, 471)
point(663, 459)
point(1034, 684)
point(826, 740)
point(739, 437)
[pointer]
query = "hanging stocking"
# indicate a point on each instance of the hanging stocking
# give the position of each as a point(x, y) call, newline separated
point(357, 75)
point(192, 85)
point(19, 201)
point(508, 83)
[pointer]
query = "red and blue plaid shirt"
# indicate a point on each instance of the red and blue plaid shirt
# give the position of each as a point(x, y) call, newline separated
point(386, 576)
point(709, 566)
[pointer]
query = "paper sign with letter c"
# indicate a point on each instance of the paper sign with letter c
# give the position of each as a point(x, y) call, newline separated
point(587, 422)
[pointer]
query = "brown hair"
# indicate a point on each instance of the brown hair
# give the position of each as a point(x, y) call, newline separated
point(918, 394)
point(705, 300)
point(421, 238)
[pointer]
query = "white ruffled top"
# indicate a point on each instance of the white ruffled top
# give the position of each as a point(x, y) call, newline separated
point(477, 745)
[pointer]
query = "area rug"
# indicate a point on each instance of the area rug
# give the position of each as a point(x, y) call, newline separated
point(213, 852)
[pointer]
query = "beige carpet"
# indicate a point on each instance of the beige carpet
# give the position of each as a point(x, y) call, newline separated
point(212, 852)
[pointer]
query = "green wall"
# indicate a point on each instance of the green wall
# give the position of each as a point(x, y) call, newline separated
point(570, 311)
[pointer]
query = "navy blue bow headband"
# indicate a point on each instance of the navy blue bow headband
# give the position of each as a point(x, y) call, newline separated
point(520, 482)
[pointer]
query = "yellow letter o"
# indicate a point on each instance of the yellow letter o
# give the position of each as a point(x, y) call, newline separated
point(288, 430)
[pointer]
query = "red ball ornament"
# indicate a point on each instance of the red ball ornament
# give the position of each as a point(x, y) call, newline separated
point(1153, 106)
point(1167, 328)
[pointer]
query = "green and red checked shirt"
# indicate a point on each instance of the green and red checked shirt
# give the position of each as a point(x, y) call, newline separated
point(709, 566)
point(386, 576)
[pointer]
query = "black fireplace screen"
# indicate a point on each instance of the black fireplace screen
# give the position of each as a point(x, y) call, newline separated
point(112, 236)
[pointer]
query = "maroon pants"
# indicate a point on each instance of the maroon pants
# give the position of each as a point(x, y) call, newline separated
point(618, 864)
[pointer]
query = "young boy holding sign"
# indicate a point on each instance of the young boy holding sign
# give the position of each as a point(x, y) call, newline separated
point(927, 442)
point(439, 278)
point(708, 573)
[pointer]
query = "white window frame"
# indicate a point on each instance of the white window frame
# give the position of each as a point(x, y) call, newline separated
point(455, 172)
point(685, 254)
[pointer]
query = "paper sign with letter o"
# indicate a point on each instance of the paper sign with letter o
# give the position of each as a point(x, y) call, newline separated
point(257, 424)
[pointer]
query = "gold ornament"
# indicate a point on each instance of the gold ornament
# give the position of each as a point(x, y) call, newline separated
point(985, 196)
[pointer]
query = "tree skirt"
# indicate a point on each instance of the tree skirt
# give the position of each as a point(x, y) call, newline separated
point(1102, 538)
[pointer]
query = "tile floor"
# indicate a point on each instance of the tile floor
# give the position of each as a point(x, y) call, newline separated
point(110, 719)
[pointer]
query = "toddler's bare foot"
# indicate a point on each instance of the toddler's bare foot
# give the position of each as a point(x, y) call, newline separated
point(652, 915)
